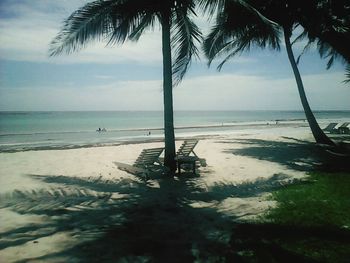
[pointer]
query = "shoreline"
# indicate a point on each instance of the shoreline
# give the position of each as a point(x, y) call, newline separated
point(205, 131)
point(204, 126)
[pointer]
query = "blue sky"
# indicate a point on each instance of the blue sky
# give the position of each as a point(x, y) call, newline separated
point(129, 77)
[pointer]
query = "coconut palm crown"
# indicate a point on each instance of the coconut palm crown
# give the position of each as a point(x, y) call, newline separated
point(116, 21)
point(326, 23)
point(241, 25)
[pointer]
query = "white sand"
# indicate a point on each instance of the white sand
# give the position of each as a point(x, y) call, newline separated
point(98, 161)
point(224, 166)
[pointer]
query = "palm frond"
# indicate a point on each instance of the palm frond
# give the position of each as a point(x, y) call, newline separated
point(216, 41)
point(127, 26)
point(184, 38)
point(305, 49)
point(326, 51)
point(347, 74)
point(131, 18)
point(300, 37)
point(236, 30)
point(146, 21)
point(91, 21)
point(111, 20)
point(211, 7)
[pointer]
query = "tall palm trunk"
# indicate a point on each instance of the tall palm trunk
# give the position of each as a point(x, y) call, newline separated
point(169, 136)
point(317, 132)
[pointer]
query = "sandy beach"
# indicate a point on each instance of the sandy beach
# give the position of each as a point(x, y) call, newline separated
point(67, 205)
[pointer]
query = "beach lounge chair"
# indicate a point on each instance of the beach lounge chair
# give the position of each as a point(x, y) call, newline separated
point(343, 129)
point(147, 162)
point(331, 127)
point(183, 155)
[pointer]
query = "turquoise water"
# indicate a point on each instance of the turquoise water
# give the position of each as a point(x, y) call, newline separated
point(50, 130)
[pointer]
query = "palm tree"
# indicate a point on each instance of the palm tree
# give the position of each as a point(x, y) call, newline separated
point(242, 24)
point(119, 20)
point(326, 23)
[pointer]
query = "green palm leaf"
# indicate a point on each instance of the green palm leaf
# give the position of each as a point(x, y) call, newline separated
point(90, 22)
point(185, 36)
point(237, 29)
point(347, 74)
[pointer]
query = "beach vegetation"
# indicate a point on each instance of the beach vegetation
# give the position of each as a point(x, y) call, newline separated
point(315, 217)
point(240, 25)
point(322, 202)
point(117, 21)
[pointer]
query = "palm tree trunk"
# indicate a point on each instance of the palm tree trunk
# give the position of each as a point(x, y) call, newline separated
point(169, 136)
point(317, 132)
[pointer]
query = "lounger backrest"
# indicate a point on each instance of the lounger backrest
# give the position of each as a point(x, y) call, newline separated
point(187, 147)
point(148, 157)
point(345, 124)
point(330, 126)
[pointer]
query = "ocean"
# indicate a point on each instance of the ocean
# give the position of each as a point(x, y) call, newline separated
point(21, 131)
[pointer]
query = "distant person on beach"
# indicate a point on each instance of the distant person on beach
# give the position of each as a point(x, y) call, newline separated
point(98, 130)
point(104, 130)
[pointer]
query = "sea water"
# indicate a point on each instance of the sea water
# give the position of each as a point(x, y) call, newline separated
point(59, 130)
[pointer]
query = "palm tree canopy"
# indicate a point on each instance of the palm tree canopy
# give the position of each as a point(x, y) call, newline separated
point(327, 23)
point(238, 27)
point(115, 21)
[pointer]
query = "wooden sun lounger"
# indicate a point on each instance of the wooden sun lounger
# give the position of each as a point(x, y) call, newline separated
point(330, 127)
point(147, 162)
point(343, 129)
point(183, 155)
point(187, 148)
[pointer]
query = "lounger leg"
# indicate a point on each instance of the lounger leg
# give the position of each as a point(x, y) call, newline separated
point(179, 167)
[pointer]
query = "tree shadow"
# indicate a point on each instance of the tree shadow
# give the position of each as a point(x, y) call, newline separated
point(129, 220)
point(295, 154)
point(266, 242)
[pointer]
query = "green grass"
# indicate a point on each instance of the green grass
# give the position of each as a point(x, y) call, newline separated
point(324, 202)
point(324, 205)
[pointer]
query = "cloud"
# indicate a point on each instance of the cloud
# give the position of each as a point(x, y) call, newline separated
point(213, 92)
point(27, 27)
point(113, 96)
point(243, 92)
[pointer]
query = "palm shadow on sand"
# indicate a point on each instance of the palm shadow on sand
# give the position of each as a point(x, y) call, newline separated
point(293, 153)
point(161, 220)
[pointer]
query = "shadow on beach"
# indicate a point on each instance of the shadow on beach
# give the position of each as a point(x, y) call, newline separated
point(137, 221)
point(166, 220)
point(293, 153)
point(129, 220)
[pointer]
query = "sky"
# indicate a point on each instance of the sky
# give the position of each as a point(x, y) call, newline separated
point(129, 76)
